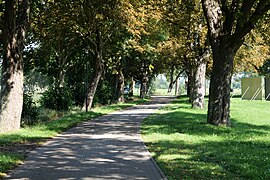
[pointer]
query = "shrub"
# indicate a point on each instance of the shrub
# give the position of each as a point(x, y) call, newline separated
point(57, 98)
point(30, 110)
point(103, 94)
point(79, 95)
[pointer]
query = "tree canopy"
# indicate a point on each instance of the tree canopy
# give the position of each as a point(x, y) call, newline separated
point(89, 51)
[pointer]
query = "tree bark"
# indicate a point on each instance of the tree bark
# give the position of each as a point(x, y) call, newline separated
point(198, 86)
point(98, 71)
point(177, 87)
point(227, 24)
point(16, 18)
point(173, 81)
point(60, 81)
point(198, 79)
point(62, 58)
point(132, 88)
point(93, 88)
point(120, 84)
point(189, 74)
point(189, 83)
point(143, 88)
point(220, 84)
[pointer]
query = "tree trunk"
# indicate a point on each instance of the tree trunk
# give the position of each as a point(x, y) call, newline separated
point(198, 69)
point(198, 86)
point(171, 80)
point(14, 31)
point(227, 27)
point(188, 69)
point(177, 87)
point(220, 84)
point(148, 86)
point(115, 89)
point(143, 88)
point(120, 87)
point(189, 84)
point(132, 88)
point(62, 63)
point(60, 81)
point(98, 71)
point(93, 88)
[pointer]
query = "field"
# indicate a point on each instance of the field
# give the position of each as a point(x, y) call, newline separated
point(186, 147)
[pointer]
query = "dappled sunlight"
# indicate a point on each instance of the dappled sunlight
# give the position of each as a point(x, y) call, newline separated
point(185, 146)
point(78, 155)
point(106, 147)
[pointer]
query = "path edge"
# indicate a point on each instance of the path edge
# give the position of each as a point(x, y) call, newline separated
point(161, 173)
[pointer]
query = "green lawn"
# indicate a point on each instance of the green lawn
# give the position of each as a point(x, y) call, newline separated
point(40, 133)
point(163, 92)
point(186, 147)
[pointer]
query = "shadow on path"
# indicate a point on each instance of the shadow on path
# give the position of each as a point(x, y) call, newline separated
point(108, 147)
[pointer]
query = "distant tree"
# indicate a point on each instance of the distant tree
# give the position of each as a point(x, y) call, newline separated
point(186, 46)
point(142, 23)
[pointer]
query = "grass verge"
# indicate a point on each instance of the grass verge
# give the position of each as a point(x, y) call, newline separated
point(15, 145)
point(185, 147)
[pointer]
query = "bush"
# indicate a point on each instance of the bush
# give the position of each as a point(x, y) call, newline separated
point(79, 95)
point(103, 94)
point(59, 99)
point(30, 110)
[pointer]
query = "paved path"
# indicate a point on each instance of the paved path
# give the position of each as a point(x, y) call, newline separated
point(108, 147)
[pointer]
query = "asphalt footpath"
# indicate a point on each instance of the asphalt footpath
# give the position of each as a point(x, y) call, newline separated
point(108, 147)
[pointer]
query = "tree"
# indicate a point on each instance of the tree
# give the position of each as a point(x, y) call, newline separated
point(63, 38)
point(170, 60)
point(14, 25)
point(58, 43)
point(97, 21)
point(197, 53)
point(187, 41)
point(58, 48)
point(142, 20)
point(228, 23)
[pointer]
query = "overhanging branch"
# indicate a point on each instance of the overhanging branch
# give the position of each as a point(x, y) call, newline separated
point(262, 8)
point(174, 81)
point(245, 12)
point(230, 16)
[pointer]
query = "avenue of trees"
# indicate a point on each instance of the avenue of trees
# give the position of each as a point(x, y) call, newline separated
point(83, 52)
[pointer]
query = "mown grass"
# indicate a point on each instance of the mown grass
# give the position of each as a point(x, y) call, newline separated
point(163, 92)
point(8, 160)
point(41, 132)
point(186, 147)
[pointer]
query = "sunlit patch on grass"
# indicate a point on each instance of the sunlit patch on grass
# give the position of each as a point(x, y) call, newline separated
point(186, 147)
point(170, 157)
point(8, 161)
